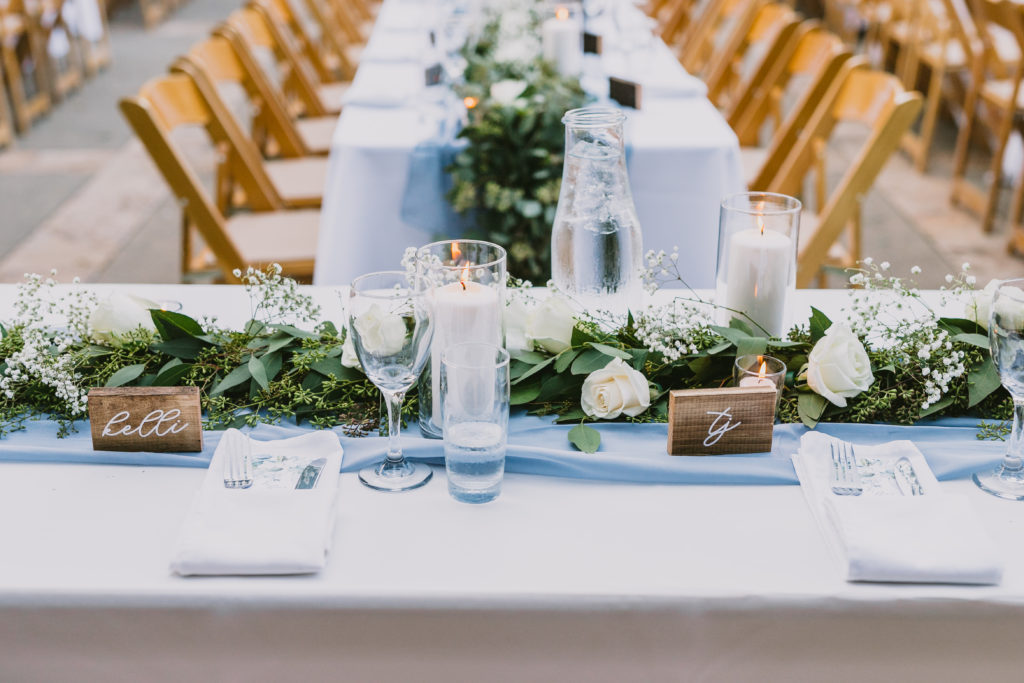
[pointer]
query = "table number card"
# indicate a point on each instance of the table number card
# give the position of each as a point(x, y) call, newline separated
point(159, 419)
point(432, 74)
point(715, 421)
point(592, 44)
point(626, 93)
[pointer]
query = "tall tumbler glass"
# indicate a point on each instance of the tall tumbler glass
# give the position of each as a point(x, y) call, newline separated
point(756, 274)
point(475, 386)
point(465, 283)
point(1006, 339)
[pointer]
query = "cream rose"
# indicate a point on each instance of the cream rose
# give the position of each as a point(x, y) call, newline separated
point(508, 91)
point(381, 333)
point(517, 318)
point(119, 314)
point(616, 389)
point(838, 367)
point(980, 303)
point(551, 324)
point(349, 358)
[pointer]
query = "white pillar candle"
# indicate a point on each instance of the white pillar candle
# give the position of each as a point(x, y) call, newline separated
point(758, 276)
point(757, 382)
point(562, 40)
point(463, 312)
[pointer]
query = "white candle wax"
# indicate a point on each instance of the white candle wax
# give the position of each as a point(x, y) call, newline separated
point(758, 276)
point(561, 39)
point(757, 382)
point(463, 312)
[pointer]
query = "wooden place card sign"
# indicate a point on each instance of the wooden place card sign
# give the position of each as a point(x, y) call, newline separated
point(626, 93)
point(592, 43)
point(159, 419)
point(432, 74)
point(715, 421)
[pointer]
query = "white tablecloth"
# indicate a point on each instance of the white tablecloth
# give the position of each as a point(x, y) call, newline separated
point(557, 579)
point(683, 159)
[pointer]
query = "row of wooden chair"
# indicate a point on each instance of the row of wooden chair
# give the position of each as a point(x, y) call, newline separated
point(754, 55)
point(35, 77)
point(267, 87)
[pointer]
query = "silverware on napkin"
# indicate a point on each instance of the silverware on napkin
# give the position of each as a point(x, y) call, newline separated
point(906, 478)
point(311, 474)
point(845, 474)
point(237, 465)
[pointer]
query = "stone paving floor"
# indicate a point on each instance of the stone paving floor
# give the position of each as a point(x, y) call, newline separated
point(78, 192)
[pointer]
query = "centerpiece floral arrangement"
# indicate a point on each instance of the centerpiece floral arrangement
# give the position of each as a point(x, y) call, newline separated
point(510, 172)
point(894, 360)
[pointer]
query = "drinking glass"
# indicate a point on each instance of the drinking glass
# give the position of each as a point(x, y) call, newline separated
point(1006, 339)
point(475, 386)
point(391, 327)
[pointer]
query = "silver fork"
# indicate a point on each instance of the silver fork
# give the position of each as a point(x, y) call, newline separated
point(845, 475)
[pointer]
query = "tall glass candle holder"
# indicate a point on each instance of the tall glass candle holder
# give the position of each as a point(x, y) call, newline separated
point(756, 274)
point(562, 36)
point(758, 370)
point(466, 284)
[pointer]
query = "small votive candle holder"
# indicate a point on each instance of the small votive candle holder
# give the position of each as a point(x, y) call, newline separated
point(756, 370)
point(169, 305)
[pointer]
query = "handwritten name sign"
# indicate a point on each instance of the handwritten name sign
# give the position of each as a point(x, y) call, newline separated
point(159, 419)
point(626, 93)
point(715, 421)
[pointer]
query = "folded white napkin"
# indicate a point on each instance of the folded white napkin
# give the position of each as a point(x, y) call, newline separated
point(882, 535)
point(270, 528)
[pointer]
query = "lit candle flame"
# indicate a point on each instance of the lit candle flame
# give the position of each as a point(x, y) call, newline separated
point(562, 13)
point(470, 102)
point(456, 252)
point(763, 371)
point(465, 277)
point(760, 223)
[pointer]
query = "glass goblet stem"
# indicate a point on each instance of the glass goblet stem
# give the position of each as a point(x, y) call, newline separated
point(1012, 461)
point(394, 402)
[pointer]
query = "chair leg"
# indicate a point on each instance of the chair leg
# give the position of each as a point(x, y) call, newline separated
point(930, 118)
point(996, 172)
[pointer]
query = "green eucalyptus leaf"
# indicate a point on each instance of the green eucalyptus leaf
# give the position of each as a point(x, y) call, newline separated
point(981, 381)
point(939, 405)
point(125, 375)
point(171, 325)
point(589, 361)
point(535, 369)
point(611, 351)
point(294, 331)
point(979, 340)
point(272, 363)
point(585, 438)
point(565, 359)
point(183, 347)
point(329, 367)
point(233, 379)
point(258, 372)
point(811, 407)
point(524, 393)
point(752, 346)
point(819, 324)
point(172, 376)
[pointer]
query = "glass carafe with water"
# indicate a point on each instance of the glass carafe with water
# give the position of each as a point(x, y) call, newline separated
point(596, 244)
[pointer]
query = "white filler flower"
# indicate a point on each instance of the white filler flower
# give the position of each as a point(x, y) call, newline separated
point(616, 389)
point(838, 367)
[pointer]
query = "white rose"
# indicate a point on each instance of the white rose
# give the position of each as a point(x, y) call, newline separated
point(516, 320)
point(551, 324)
point(513, 52)
point(119, 314)
point(506, 92)
point(980, 302)
point(838, 367)
point(348, 353)
point(617, 389)
point(381, 333)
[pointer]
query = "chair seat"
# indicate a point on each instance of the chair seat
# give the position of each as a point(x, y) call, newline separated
point(317, 132)
point(751, 160)
point(300, 181)
point(838, 255)
point(285, 237)
point(331, 95)
point(999, 92)
point(951, 53)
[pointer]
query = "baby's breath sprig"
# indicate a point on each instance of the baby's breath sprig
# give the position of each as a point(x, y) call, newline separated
point(274, 298)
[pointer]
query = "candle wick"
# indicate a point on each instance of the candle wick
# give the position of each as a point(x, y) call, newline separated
point(463, 283)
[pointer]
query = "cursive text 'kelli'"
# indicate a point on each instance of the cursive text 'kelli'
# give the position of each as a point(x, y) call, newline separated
point(158, 422)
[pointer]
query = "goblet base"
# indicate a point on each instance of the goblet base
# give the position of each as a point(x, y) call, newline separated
point(1002, 481)
point(401, 476)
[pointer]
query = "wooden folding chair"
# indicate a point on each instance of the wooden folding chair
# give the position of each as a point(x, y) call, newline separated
point(673, 17)
point(248, 239)
point(873, 99)
point(154, 11)
point(707, 33)
point(6, 120)
point(339, 14)
point(768, 29)
point(247, 31)
point(995, 100)
point(327, 52)
point(265, 184)
point(809, 54)
point(317, 98)
point(97, 54)
point(45, 18)
point(24, 57)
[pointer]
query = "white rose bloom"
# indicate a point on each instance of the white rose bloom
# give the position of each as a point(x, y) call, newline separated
point(516, 320)
point(513, 52)
point(617, 389)
point(506, 92)
point(551, 324)
point(381, 333)
point(348, 353)
point(838, 367)
point(119, 314)
point(980, 303)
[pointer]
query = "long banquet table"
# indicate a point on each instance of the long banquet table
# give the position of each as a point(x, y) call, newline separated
point(558, 579)
point(385, 189)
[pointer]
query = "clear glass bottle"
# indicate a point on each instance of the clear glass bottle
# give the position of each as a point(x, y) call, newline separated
point(596, 243)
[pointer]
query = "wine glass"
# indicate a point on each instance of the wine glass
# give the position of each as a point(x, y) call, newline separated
point(391, 329)
point(1006, 339)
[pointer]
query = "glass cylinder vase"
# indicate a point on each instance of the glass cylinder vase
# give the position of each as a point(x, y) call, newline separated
point(756, 273)
point(466, 290)
point(596, 242)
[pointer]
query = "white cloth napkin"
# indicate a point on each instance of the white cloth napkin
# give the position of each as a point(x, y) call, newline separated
point(270, 528)
point(882, 535)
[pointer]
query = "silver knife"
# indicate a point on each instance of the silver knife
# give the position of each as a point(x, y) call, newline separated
point(310, 474)
point(906, 478)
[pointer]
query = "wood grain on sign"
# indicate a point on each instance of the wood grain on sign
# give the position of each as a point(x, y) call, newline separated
point(159, 419)
point(715, 421)
point(626, 93)
point(592, 44)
